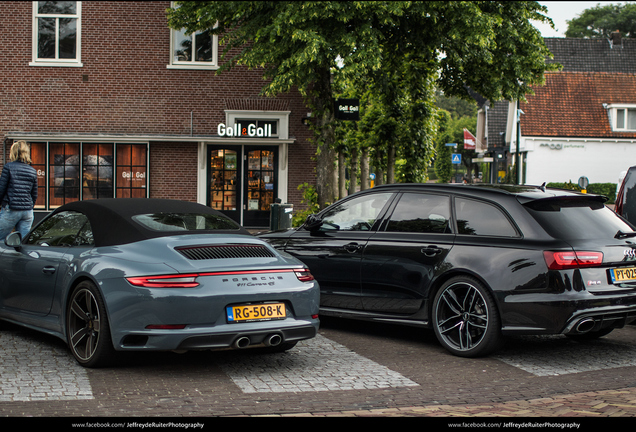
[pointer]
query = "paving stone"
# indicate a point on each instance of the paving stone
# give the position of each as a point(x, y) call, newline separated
point(369, 371)
point(317, 364)
point(568, 356)
point(32, 371)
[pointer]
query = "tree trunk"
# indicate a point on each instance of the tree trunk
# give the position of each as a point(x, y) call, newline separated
point(353, 171)
point(325, 185)
point(342, 180)
point(390, 171)
point(326, 182)
point(364, 169)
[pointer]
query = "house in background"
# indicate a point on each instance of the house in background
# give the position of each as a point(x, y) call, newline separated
point(582, 123)
point(116, 104)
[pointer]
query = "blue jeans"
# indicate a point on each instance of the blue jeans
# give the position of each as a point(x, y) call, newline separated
point(21, 220)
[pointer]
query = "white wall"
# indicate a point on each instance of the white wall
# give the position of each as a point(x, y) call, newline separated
point(562, 160)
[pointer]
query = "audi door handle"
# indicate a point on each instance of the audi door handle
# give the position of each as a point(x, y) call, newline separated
point(48, 270)
point(431, 251)
point(352, 247)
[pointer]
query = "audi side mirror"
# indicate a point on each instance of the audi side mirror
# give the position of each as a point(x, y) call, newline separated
point(313, 222)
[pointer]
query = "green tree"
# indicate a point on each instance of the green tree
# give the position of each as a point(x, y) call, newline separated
point(489, 46)
point(601, 20)
point(443, 164)
point(455, 106)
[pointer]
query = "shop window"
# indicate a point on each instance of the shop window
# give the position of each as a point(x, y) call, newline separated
point(56, 33)
point(260, 180)
point(131, 171)
point(223, 179)
point(97, 171)
point(38, 161)
point(81, 171)
point(64, 173)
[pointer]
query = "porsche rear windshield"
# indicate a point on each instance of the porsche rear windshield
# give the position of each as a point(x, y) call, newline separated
point(577, 219)
point(185, 222)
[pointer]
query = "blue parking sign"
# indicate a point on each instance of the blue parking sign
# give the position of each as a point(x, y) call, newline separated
point(456, 158)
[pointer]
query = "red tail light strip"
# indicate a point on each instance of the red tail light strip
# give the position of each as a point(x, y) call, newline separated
point(189, 280)
point(572, 259)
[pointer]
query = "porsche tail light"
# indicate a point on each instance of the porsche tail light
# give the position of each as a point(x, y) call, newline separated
point(166, 281)
point(304, 275)
point(572, 259)
point(190, 280)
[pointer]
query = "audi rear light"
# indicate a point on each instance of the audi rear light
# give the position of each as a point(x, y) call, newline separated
point(572, 259)
point(165, 281)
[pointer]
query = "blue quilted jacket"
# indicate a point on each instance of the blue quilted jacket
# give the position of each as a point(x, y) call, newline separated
point(18, 186)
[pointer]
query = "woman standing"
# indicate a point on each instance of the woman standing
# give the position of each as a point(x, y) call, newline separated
point(18, 191)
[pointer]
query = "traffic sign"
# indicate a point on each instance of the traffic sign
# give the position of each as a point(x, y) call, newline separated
point(456, 158)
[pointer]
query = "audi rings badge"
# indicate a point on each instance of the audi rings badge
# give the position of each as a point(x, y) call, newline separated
point(630, 254)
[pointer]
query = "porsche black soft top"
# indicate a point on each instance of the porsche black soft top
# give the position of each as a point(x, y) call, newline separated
point(112, 218)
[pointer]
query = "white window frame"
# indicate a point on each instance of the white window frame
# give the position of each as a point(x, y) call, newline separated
point(76, 62)
point(193, 64)
point(614, 114)
point(281, 117)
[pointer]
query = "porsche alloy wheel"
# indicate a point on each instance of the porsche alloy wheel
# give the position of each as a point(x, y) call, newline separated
point(465, 318)
point(87, 327)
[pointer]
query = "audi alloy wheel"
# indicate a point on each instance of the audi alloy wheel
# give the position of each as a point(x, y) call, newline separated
point(465, 318)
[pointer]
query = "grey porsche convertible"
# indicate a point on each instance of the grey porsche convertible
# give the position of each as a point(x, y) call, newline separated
point(126, 274)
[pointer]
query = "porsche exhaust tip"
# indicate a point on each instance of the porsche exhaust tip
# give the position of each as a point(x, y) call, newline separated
point(242, 342)
point(273, 340)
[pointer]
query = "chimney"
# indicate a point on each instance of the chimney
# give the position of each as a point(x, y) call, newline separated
point(615, 38)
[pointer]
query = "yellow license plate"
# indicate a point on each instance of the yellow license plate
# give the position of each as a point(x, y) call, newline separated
point(256, 312)
point(623, 274)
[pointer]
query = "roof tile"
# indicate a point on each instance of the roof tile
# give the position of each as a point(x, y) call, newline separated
point(571, 104)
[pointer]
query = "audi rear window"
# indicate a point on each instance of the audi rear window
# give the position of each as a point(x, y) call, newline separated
point(185, 222)
point(577, 219)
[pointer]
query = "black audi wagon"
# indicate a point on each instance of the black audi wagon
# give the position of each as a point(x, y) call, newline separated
point(472, 262)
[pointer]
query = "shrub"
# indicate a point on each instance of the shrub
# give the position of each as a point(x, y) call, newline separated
point(310, 197)
point(606, 189)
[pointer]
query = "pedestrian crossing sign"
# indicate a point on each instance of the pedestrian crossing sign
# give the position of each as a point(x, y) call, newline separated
point(456, 158)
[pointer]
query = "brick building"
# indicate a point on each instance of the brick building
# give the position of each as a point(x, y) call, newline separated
point(116, 104)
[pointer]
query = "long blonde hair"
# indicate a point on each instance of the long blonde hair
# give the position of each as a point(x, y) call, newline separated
point(20, 151)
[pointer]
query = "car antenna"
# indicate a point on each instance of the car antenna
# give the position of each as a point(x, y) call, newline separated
point(542, 187)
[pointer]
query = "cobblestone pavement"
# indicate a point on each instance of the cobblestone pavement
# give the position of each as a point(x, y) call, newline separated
point(351, 369)
point(31, 371)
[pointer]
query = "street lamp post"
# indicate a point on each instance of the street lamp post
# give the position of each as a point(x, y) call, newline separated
point(518, 152)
